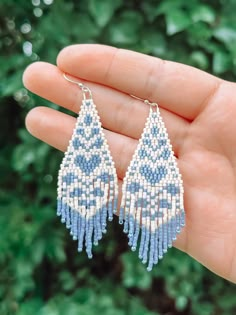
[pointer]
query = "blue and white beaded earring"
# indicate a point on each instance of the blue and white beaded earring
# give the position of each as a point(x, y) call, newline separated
point(152, 193)
point(87, 180)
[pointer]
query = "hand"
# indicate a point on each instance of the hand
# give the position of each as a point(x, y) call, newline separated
point(199, 111)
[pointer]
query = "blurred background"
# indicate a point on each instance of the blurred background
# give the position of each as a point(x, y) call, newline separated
point(40, 270)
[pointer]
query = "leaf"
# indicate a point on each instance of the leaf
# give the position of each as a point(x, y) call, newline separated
point(22, 158)
point(153, 43)
point(49, 309)
point(67, 280)
point(11, 84)
point(221, 62)
point(203, 13)
point(103, 10)
point(23, 286)
point(177, 21)
point(126, 29)
point(55, 250)
point(200, 35)
point(8, 62)
point(226, 35)
point(181, 303)
point(136, 308)
point(30, 306)
point(135, 274)
point(39, 250)
point(199, 59)
point(165, 7)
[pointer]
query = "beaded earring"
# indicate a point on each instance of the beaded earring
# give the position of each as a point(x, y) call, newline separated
point(152, 193)
point(87, 180)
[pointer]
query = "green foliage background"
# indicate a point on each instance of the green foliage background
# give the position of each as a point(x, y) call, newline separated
point(40, 270)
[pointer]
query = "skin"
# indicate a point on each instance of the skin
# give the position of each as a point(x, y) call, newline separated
point(198, 109)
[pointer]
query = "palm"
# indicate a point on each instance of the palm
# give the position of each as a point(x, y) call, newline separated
point(198, 110)
point(207, 162)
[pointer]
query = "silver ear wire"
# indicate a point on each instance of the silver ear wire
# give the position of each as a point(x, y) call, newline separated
point(145, 101)
point(84, 88)
point(150, 103)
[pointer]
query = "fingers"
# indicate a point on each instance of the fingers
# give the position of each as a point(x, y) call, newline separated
point(181, 89)
point(118, 111)
point(56, 129)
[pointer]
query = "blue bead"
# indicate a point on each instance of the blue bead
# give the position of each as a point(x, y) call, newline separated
point(91, 203)
point(77, 192)
point(177, 223)
point(142, 153)
point(59, 207)
point(162, 142)
point(87, 166)
point(144, 203)
point(165, 238)
point(83, 202)
point(126, 224)
point(151, 252)
point(104, 218)
point(98, 192)
point(153, 216)
point(105, 177)
point(153, 175)
point(74, 224)
point(95, 131)
point(69, 178)
point(182, 218)
point(141, 245)
point(156, 255)
point(133, 187)
point(147, 142)
point(80, 131)
point(63, 212)
point(81, 234)
point(110, 210)
point(98, 143)
point(163, 203)
point(154, 131)
point(115, 205)
point(136, 235)
point(77, 143)
point(160, 240)
point(145, 213)
point(146, 246)
point(169, 233)
point(165, 154)
point(95, 234)
point(68, 217)
point(172, 189)
point(87, 119)
point(121, 215)
point(131, 227)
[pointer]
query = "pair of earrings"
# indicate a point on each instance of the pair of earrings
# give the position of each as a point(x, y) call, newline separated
point(152, 192)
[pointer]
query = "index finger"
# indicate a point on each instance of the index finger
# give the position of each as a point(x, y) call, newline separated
point(179, 88)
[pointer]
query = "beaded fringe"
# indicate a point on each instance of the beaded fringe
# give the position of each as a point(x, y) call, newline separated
point(152, 194)
point(87, 181)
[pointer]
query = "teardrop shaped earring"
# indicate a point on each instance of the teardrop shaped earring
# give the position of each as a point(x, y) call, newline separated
point(87, 180)
point(152, 193)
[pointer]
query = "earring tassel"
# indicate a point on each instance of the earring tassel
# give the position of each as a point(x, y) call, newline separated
point(152, 194)
point(87, 181)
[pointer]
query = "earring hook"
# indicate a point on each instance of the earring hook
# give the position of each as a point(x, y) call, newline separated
point(150, 103)
point(145, 101)
point(84, 88)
